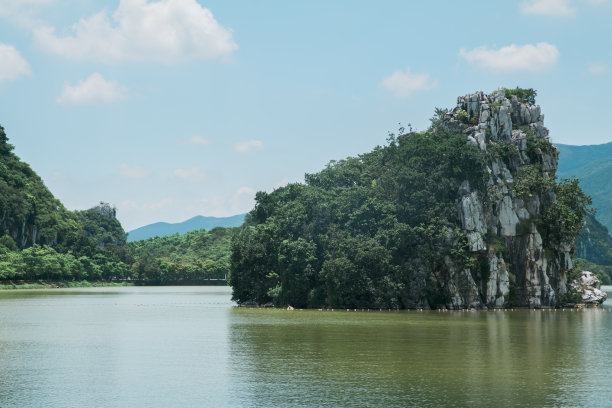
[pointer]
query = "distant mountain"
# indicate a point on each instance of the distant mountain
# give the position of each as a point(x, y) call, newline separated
point(593, 166)
point(594, 243)
point(161, 229)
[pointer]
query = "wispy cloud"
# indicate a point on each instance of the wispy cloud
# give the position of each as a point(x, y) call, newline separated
point(529, 57)
point(167, 31)
point(159, 205)
point(241, 201)
point(282, 183)
point(133, 172)
point(128, 205)
point(552, 8)
point(404, 84)
point(248, 147)
point(12, 63)
point(131, 205)
point(598, 68)
point(193, 174)
point(195, 141)
point(92, 90)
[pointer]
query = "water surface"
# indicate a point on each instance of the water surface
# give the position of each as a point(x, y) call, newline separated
point(189, 346)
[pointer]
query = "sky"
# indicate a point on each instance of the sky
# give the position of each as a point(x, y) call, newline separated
point(169, 109)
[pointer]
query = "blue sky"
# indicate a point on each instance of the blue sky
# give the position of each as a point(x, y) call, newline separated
point(174, 108)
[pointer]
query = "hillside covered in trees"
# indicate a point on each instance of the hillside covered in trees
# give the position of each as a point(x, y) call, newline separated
point(593, 166)
point(40, 240)
point(191, 257)
point(465, 214)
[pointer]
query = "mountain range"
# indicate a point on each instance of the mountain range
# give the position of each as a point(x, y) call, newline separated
point(161, 229)
point(593, 166)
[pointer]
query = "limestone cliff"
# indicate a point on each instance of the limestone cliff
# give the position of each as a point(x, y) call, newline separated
point(502, 223)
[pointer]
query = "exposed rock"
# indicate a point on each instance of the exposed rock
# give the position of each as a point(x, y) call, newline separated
point(498, 285)
point(105, 210)
point(507, 217)
point(589, 288)
point(520, 259)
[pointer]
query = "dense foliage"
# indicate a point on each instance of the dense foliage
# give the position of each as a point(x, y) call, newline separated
point(29, 214)
point(348, 237)
point(359, 233)
point(94, 250)
point(194, 256)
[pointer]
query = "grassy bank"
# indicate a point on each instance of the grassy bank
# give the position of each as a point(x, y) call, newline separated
point(59, 284)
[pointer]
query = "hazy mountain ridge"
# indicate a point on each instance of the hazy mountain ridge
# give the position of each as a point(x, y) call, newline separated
point(161, 229)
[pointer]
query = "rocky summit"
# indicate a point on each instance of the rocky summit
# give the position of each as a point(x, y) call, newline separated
point(502, 223)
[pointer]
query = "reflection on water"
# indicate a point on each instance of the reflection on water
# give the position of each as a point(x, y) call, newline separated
point(523, 357)
point(162, 347)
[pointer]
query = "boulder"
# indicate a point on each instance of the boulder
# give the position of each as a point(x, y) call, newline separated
point(590, 288)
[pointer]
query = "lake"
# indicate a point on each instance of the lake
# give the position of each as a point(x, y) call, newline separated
point(189, 346)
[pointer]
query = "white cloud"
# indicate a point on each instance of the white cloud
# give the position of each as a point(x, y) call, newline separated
point(598, 68)
point(128, 205)
point(403, 84)
point(539, 57)
point(243, 200)
point(133, 172)
point(94, 89)
point(195, 141)
point(133, 206)
point(282, 183)
point(166, 31)
point(12, 63)
point(248, 147)
point(553, 8)
point(159, 205)
point(279, 184)
point(245, 190)
point(193, 174)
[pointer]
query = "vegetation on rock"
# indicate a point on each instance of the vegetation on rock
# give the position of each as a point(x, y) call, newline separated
point(385, 229)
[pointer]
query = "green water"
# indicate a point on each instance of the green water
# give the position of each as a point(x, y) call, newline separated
point(189, 346)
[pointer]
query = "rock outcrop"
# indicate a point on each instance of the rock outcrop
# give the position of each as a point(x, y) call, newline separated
point(588, 286)
point(499, 220)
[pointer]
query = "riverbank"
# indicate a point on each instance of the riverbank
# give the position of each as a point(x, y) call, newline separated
point(10, 285)
point(59, 284)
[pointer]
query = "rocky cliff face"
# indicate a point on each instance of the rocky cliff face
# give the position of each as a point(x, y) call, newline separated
point(501, 222)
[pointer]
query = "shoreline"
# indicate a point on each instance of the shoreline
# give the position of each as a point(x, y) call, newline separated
point(9, 285)
point(41, 284)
